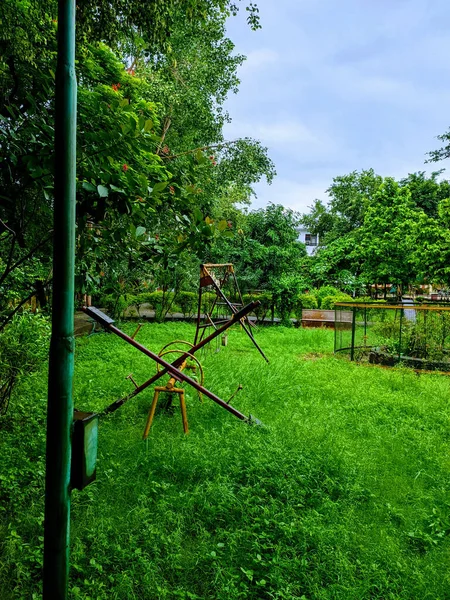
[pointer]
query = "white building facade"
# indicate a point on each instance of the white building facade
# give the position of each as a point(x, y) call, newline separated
point(310, 240)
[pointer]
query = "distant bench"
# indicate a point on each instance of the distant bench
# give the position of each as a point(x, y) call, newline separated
point(324, 318)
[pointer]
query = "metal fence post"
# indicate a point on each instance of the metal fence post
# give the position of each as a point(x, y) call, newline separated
point(400, 336)
point(352, 351)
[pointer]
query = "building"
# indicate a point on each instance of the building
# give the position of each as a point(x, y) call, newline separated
point(310, 240)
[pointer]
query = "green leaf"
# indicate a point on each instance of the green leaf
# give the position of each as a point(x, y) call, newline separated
point(248, 573)
point(198, 215)
point(114, 188)
point(88, 186)
point(102, 191)
point(158, 187)
point(148, 126)
point(133, 124)
point(140, 231)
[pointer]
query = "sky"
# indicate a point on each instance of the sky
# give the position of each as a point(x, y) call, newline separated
point(333, 86)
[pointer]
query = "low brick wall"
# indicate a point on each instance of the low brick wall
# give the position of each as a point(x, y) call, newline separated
point(324, 318)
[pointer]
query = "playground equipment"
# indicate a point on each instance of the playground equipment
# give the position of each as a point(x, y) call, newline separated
point(219, 279)
point(174, 369)
point(190, 362)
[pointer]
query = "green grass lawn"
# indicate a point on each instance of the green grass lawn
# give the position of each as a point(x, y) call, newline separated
point(344, 494)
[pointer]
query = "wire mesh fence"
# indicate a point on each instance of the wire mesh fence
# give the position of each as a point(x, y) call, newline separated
point(417, 336)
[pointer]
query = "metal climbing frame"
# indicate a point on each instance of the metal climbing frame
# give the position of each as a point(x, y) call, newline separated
point(210, 279)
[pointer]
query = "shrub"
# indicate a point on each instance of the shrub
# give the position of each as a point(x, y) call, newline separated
point(207, 301)
point(329, 301)
point(368, 300)
point(187, 301)
point(23, 348)
point(324, 291)
point(265, 300)
point(161, 302)
point(285, 294)
point(307, 301)
point(114, 304)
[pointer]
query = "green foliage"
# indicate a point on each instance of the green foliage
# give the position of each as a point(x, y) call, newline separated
point(207, 300)
point(307, 301)
point(382, 231)
point(326, 290)
point(160, 301)
point(329, 301)
point(368, 300)
point(116, 304)
point(152, 81)
point(24, 347)
point(188, 302)
point(285, 295)
point(265, 299)
point(264, 249)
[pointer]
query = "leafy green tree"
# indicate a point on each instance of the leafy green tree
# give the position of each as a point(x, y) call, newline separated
point(386, 240)
point(349, 197)
point(149, 75)
point(427, 192)
point(264, 248)
point(432, 251)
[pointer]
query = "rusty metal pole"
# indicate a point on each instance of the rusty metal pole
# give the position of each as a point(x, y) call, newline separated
point(60, 402)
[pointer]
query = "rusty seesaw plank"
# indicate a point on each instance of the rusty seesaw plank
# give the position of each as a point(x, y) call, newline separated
point(172, 368)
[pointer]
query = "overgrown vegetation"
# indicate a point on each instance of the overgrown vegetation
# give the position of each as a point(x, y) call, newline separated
point(343, 495)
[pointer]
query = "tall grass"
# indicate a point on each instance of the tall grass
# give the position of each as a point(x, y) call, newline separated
point(343, 494)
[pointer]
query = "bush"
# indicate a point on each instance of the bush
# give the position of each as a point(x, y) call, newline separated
point(265, 300)
point(160, 302)
point(114, 304)
point(187, 301)
point(207, 301)
point(24, 347)
point(324, 291)
point(285, 294)
point(307, 301)
point(329, 301)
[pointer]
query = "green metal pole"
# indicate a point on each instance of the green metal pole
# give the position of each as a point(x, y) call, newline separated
point(60, 402)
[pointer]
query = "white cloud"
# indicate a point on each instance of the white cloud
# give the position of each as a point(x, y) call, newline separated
point(258, 59)
point(291, 194)
point(292, 137)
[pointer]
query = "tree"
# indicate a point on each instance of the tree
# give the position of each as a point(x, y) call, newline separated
point(349, 197)
point(431, 254)
point(427, 192)
point(264, 248)
point(386, 240)
point(130, 185)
